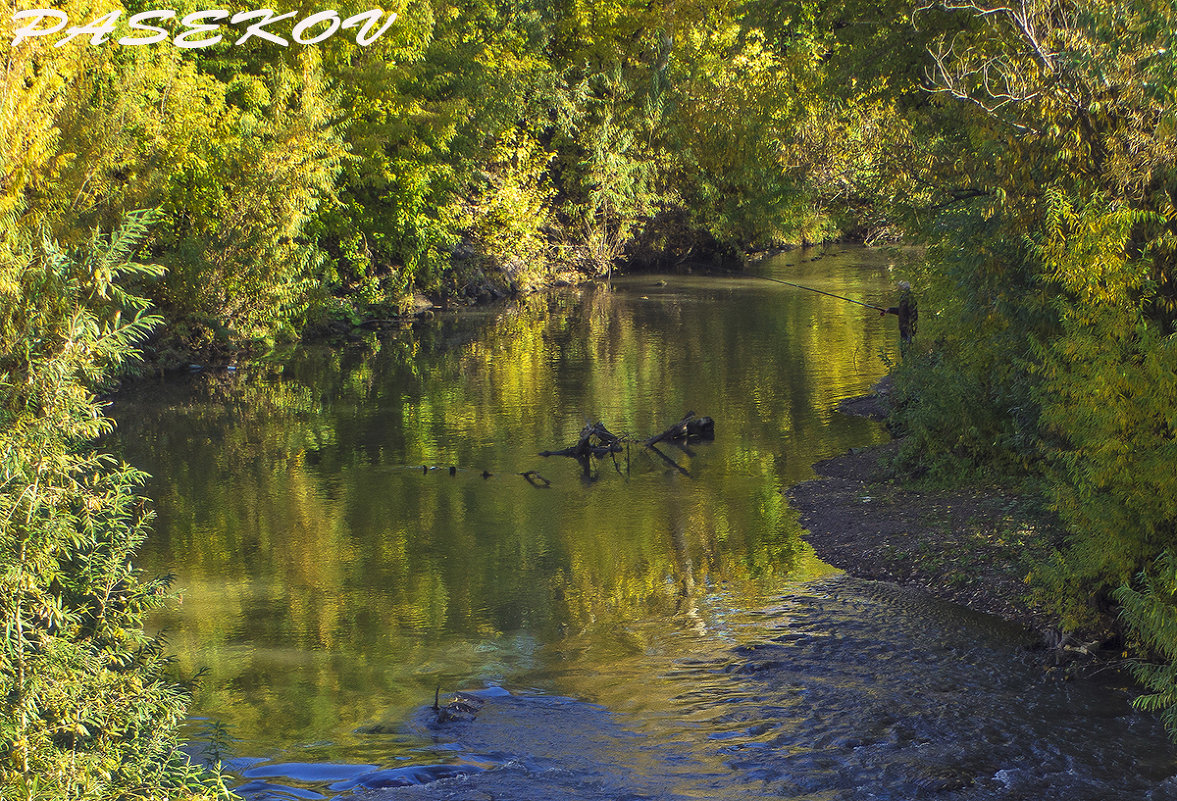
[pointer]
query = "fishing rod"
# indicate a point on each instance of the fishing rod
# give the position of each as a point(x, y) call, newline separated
point(818, 291)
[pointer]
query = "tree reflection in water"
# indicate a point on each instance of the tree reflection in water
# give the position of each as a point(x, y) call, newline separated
point(330, 581)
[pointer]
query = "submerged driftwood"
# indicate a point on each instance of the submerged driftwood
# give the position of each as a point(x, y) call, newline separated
point(606, 443)
point(688, 429)
point(596, 440)
point(536, 480)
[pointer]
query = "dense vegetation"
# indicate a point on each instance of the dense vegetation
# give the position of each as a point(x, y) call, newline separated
point(1050, 222)
point(480, 147)
point(473, 148)
point(89, 711)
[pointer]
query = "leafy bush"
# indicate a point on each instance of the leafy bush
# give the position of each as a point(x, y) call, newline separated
point(966, 392)
point(88, 711)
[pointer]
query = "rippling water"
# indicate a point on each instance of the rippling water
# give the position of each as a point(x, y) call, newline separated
point(840, 689)
point(351, 532)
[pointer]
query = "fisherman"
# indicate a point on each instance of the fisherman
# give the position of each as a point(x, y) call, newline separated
point(907, 312)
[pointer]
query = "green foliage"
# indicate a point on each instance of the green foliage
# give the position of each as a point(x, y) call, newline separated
point(966, 390)
point(733, 112)
point(1051, 348)
point(1150, 609)
point(236, 208)
point(474, 145)
point(509, 205)
point(238, 167)
point(613, 194)
point(1109, 397)
point(88, 712)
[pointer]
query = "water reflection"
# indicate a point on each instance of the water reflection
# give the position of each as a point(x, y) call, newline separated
point(329, 581)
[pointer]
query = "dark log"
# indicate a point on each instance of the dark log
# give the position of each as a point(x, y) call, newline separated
point(604, 435)
point(606, 442)
point(689, 428)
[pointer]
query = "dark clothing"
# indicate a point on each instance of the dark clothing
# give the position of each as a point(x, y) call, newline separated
point(908, 314)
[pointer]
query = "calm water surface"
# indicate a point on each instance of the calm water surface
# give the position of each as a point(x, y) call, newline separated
point(653, 628)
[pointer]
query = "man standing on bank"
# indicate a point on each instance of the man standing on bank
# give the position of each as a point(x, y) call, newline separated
point(907, 312)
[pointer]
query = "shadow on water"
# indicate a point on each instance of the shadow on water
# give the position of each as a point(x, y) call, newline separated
point(640, 631)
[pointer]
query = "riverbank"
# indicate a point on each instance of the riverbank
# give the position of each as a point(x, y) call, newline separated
point(971, 545)
point(339, 322)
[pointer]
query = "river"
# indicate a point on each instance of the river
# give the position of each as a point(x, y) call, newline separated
point(350, 531)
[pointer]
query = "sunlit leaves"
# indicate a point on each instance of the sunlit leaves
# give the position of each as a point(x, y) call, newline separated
point(88, 712)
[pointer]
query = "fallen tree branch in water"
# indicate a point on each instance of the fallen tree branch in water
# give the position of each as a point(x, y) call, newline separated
point(687, 429)
point(607, 442)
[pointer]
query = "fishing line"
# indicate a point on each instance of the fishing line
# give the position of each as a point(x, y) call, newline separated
point(818, 291)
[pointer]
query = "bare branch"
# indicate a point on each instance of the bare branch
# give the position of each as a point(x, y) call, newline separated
point(947, 81)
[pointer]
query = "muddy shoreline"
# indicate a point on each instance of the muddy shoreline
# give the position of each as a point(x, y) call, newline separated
point(972, 545)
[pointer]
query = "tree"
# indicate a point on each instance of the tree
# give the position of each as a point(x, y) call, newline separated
point(1055, 275)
